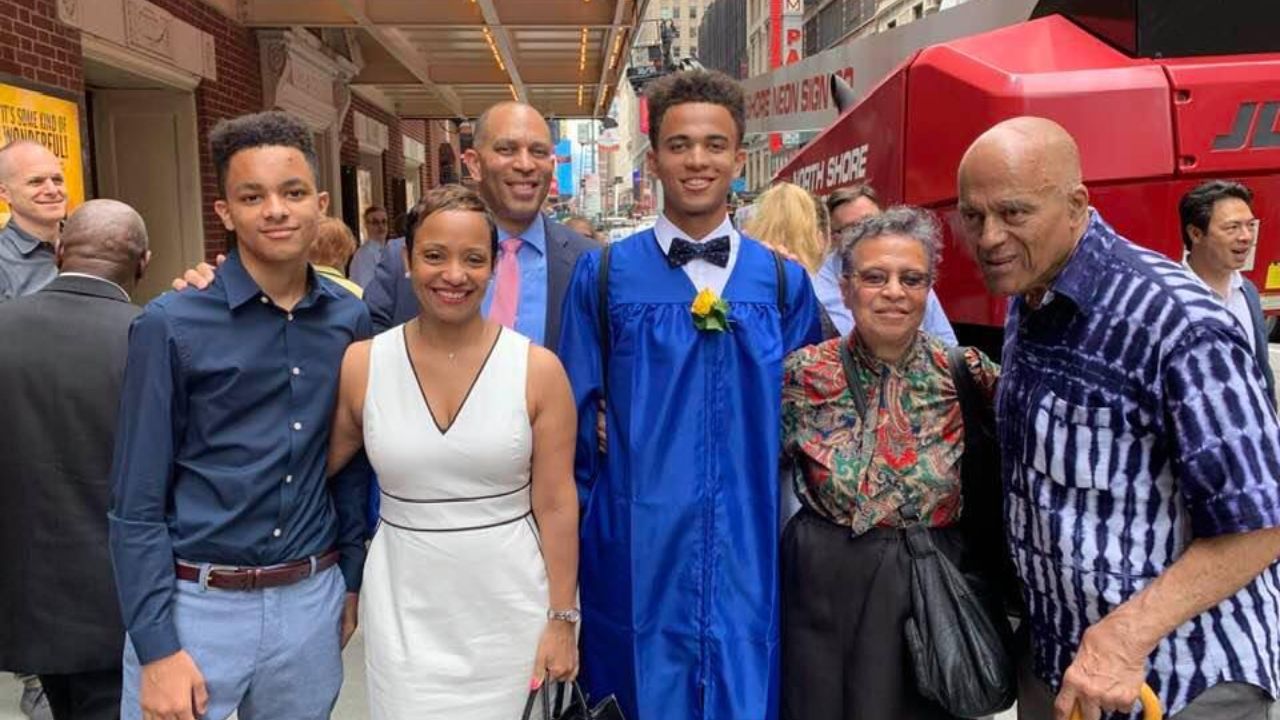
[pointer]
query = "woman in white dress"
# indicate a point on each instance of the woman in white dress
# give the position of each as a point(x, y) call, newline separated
point(470, 588)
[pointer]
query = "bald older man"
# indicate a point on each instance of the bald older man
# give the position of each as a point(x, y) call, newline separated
point(61, 370)
point(31, 183)
point(1140, 453)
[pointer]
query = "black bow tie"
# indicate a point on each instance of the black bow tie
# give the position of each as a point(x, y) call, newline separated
point(714, 251)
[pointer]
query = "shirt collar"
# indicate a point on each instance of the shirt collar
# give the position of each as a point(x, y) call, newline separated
point(875, 364)
point(99, 279)
point(241, 287)
point(1078, 280)
point(25, 241)
point(535, 235)
point(666, 232)
point(1236, 284)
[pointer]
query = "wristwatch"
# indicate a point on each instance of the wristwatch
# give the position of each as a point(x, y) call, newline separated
point(570, 616)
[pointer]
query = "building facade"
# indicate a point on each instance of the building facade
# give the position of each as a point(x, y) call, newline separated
point(723, 44)
point(827, 24)
point(148, 79)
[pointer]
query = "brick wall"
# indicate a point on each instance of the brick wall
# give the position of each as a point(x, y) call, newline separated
point(436, 135)
point(392, 159)
point(238, 90)
point(417, 129)
point(34, 46)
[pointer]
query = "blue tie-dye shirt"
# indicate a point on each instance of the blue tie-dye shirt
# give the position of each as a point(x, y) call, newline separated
point(1133, 420)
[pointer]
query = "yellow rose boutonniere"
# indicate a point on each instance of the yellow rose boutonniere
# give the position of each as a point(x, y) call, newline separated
point(710, 312)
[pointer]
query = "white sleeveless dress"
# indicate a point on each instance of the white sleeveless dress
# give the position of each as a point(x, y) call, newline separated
point(455, 587)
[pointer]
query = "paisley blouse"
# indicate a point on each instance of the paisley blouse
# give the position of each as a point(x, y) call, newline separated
point(897, 465)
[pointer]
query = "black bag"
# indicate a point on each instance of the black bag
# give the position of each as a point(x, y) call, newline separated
point(576, 708)
point(959, 636)
point(959, 639)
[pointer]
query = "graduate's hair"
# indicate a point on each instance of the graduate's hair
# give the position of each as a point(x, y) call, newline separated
point(449, 197)
point(265, 129)
point(695, 86)
point(786, 216)
point(905, 220)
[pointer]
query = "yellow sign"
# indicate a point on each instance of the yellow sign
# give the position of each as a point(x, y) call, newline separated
point(50, 121)
point(1273, 276)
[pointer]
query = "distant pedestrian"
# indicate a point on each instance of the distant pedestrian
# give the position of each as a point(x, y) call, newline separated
point(1220, 233)
point(846, 207)
point(365, 261)
point(330, 252)
point(31, 182)
point(581, 225)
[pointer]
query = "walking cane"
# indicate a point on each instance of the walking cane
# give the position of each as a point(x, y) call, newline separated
point(1151, 709)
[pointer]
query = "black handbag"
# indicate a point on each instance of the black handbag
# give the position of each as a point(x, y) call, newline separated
point(958, 635)
point(575, 707)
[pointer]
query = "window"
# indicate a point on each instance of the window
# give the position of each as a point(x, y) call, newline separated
point(892, 24)
point(917, 12)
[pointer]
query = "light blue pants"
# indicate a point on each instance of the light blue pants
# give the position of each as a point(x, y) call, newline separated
point(270, 654)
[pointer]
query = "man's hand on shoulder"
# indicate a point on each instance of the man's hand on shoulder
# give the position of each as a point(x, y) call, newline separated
point(199, 277)
point(173, 689)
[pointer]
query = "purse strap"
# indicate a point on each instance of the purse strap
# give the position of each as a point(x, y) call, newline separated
point(544, 692)
point(851, 379)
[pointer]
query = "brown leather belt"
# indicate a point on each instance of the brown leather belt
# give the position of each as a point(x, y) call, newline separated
point(256, 578)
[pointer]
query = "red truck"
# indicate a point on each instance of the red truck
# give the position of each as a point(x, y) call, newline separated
point(1149, 125)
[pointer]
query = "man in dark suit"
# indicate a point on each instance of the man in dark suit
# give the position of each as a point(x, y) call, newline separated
point(513, 159)
point(60, 373)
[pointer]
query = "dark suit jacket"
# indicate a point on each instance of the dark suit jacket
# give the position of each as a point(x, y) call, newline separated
point(391, 300)
point(61, 366)
point(1260, 337)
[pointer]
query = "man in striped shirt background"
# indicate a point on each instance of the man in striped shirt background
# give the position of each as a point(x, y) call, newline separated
point(1140, 452)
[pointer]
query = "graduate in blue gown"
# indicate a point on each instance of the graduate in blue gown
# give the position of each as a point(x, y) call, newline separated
point(680, 525)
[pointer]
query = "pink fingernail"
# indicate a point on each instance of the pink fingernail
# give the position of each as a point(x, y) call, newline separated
point(535, 683)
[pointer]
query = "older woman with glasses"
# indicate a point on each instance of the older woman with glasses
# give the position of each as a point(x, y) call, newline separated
point(870, 465)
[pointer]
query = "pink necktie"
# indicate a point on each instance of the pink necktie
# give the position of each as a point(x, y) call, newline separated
point(506, 296)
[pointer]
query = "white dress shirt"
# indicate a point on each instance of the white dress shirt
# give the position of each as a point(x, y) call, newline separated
point(1234, 301)
point(702, 273)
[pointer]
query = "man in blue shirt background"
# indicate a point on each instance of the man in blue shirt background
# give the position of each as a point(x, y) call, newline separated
point(847, 207)
point(236, 561)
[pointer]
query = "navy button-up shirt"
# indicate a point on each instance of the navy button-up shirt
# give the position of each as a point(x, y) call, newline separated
point(222, 441)
point(1134, 420)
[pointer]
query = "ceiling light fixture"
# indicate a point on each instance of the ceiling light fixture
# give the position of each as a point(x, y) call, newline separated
point(582, 52)
point(579, 94)
point(493, 48)
point(514, 95)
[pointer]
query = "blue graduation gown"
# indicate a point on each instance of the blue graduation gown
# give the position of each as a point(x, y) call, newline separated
point(679, 558)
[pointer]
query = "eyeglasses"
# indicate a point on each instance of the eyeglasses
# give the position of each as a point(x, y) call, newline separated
point(1234, 228)
point(878, 279)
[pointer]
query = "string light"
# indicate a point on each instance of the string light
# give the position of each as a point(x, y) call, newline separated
point(582, 52)
point(493, 48)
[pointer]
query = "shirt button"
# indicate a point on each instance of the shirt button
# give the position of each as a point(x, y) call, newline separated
point(290, 316)
point(297, 426)
point(275, 533)
point(264, 299)
point(288, 479)
point(297, 371)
